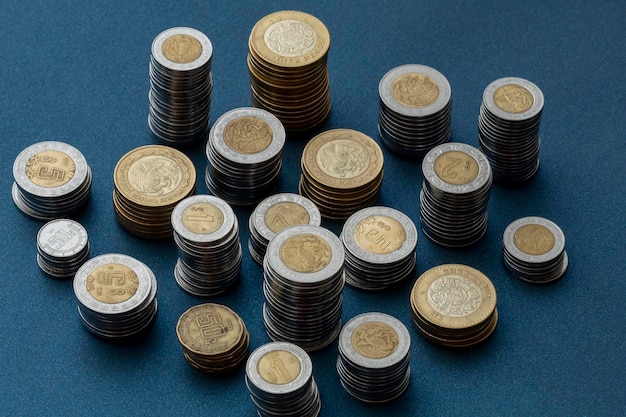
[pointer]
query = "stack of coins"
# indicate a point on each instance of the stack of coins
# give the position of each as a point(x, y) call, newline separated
point(62, 247)
point(214, 338)
point(380, 247)
point(116, 295)
point(454, 306)
point(180, 85)
point(244, 151)
point(508, 128)
point(206, 233)
point(276, 213)
point(287, 59)
point(374, 357)
point(342, 172)
point(52, 180)
point(455, 194)
point(302, 284)
point(415, 109)
point(533, 249)
point(279, 377)
point(149, 182)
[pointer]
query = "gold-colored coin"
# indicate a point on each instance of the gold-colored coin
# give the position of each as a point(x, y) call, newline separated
point(248, 135)
point(456, 167)
point(50, 168)
point(374, 340)
point(305, 253)
point(202, 218)
point(209, 329)
point(379, 234)
point(513, 98)
point(415, 90)
point(112, 283)
point(285, 214)
point(181, 48)
point(279, 367)
point(534, 239)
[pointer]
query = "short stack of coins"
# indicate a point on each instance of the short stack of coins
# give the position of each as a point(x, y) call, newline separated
point(62, 247)
point(244, 152)
point(180, 85)
point(455, 194)
point(279, 377)
point(508, 127)
point(116, 295)
point(213, 337)
point(374, 357)
point(276, 213)
point(149, 182)
point(302, 285)
point(206, 233)
point(415, 109)
point(342, 172)
point(287, 63)
point(52, 180)
point(380, 247)
point(533, 249)
point(454, 306)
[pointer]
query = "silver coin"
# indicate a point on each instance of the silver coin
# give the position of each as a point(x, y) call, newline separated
point(203, 59)
point(534, 109)
point(62, 238)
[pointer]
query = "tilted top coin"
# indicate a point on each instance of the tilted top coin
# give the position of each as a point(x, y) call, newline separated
point(203, 218)
point(62, 238)
point(456, 168)
point(279, 368)
point(534, 239)
point(513, 98)
point(182, 49)
point(283, 210)
point(209, 329)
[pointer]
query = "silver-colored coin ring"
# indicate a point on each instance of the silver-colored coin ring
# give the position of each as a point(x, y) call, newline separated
point(535, 109)
point(554, 252)
point(258, 215)
point(203, 59)
point(225, 229)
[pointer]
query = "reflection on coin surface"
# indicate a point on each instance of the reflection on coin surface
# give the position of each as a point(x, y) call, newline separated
point(290, 38)
point(534, 239)
point(415, 90)
point(513, 98)
point(181, 48)
point(343, 158)
point(202, 218)
point(374, 340)
point(50, 168)
point(305, 253)
point(454, 295)
point(380, 234)
point(456, 167)
point(279, 367)
point(112, 283)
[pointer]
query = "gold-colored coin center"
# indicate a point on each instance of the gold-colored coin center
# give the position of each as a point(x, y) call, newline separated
point(343, 158)
point(155, 175)
point(305, 253)
point(203, 218)
point(374, 340)
point(290, 38)
point(181, 48)
point(279, 367)
point(379, 234)
point(285, 214)
point(455, 167)
point(210, 328)
point(112, 283)
point(415, 90)
point(50, 169)
point(454, 295)
point(513, 98)
point(534, 239)
point(248, 135)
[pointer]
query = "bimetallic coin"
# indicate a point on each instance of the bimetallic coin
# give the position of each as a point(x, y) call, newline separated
point(182, 49)
point(513, 98)
point(456, 168)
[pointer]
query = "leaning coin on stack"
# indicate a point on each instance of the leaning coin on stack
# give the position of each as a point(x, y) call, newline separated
point(454, 306)
point(149, 182)
point(279, 377)
point(374, 357)
point(455, 194)
point(52, 180)
point(302, 285)
point(380, 247)
point(180, 85)
point(116, 295)
point(276, 213)
point(533, 249)
point(508, 128)
point(342, 172)
point(415, 109)
point(62, 247)
point(244, 154)
point(206, 233)
point(287, 63)
point(214, 338)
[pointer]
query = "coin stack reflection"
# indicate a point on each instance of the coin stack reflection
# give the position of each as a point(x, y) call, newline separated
point(62, 247)
point(302, 285)
point(279, 377)
point(206, 233)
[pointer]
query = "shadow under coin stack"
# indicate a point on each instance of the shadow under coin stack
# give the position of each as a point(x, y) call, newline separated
point(214, 338)
point(279, 377)
point(149, 182)
point(52, 180)
point(206, 233)
point(508, 127)
point(455, 194)
point(287, 63)
point(533, 250)
point(342, 172)
point(302, 285)
point(244, 152)
point(62, 247)
point(116, 295)
point(454, 306)
point(180, 85)
point(415, 109)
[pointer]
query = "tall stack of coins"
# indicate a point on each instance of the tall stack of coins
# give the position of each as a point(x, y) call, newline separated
point(342, 172)
point(214, 338)
point(455, 193)
point(62, 247)
point(149, 182)
point(415, 109)
point(244, 151)
point(287, 59)
point(380, 247)
point(374, 357)
point(508, 128)
point(206, 233)
point(52, 180)
point(533, 249)
point(279, 377)
point(116, 295)
point(302, 286)
point(454, 306)
point(276, 213)
point(180, 85)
